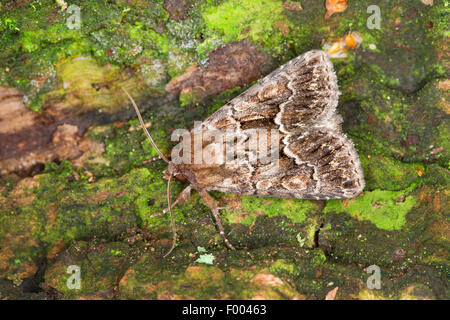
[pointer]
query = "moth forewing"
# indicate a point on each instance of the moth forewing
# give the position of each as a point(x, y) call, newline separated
point(213, 152)
point(298, 103)
point(292, 113)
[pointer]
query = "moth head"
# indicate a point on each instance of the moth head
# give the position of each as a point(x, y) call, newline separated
point(175, 171)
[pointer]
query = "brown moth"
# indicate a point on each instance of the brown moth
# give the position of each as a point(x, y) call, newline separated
point(295, 106)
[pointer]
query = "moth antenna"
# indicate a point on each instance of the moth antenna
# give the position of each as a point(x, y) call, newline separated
point(174, 229)
point(149, 137)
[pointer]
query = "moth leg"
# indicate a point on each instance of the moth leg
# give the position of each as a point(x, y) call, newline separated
point(211, 204)
point(182, 198)
point(152, 160)
point(156, 158)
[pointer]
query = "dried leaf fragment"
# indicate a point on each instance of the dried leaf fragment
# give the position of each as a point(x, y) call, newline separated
point(267, 279)
point(334, 6)
point(427, 2)
point(419, 172)
point(332, 294)
point(339, 48)
point(444, 85)
point(62, 4)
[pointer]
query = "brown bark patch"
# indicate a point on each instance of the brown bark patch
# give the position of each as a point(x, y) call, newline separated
point(29, 139)
point(235, 64)
point(293, 6)
point(177, 9)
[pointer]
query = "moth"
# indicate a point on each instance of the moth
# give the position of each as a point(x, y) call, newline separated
point(314, 158)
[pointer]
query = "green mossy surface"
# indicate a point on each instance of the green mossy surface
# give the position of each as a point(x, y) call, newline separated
point(386, 209)
point(226, 22)
point(99, 217)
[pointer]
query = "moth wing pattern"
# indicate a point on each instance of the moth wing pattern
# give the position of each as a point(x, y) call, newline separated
point(316, 159)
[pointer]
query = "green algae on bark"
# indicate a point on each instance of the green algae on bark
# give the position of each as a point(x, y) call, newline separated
point(202, 282)
point(386, 209)
point(112, 33)
point(271, 207)
point(235, 20)
point(99, 265)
